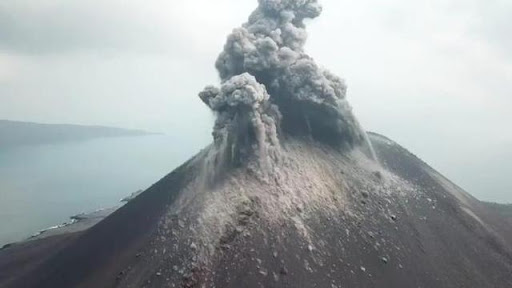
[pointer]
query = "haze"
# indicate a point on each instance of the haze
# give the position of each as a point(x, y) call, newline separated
point(436, 76)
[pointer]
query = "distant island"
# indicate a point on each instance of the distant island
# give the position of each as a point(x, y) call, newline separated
point(15, 133)
point(504, 210)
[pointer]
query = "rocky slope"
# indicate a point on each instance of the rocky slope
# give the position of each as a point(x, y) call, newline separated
point(326, 219)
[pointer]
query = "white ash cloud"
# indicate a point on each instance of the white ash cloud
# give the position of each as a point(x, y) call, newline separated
point(269, 84)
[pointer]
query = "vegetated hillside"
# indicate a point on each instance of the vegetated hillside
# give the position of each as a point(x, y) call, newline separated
point(327, 218)
point(14, 133)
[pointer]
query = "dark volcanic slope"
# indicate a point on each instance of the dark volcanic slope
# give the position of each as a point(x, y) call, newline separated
point(94, 259)
point(343, 222)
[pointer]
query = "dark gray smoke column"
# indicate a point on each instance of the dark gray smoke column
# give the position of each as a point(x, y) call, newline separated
point(269, 84)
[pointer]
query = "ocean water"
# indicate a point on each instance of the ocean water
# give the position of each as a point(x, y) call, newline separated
point(42, 186)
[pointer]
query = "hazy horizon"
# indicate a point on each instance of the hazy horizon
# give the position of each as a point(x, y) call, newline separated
point(434, 76)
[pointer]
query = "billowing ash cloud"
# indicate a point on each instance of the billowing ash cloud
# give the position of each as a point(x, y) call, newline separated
point(245, 118)
point(269, 84)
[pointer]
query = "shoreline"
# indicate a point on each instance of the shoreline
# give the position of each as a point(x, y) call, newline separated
point(78, 222)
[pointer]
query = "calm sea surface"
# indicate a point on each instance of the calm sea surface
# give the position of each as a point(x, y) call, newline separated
point(41, 186)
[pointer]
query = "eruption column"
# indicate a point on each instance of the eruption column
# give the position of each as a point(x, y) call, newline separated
point(270, 86)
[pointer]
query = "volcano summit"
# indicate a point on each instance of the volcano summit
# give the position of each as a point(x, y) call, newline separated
point(291, 193)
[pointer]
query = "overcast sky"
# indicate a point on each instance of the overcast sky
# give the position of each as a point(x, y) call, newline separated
point(434, 75)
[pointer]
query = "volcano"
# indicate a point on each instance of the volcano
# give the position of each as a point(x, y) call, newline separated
point(333, 220)
point(291, 193)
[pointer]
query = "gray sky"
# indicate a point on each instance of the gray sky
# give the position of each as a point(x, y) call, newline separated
point(436, 75)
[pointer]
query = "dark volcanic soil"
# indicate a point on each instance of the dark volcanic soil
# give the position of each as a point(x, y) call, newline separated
point(431, 234)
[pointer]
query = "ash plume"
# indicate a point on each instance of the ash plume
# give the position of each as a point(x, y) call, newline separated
point(270, 88)
point(245, 119)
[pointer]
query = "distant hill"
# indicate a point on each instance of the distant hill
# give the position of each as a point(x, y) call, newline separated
point(14, 133)
point(504, 210)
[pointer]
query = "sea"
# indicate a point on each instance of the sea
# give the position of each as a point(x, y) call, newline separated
point(42, 186)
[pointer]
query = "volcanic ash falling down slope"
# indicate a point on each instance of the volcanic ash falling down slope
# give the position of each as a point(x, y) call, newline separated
point(290, 170)
point(274, 107)
point(270, 89)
